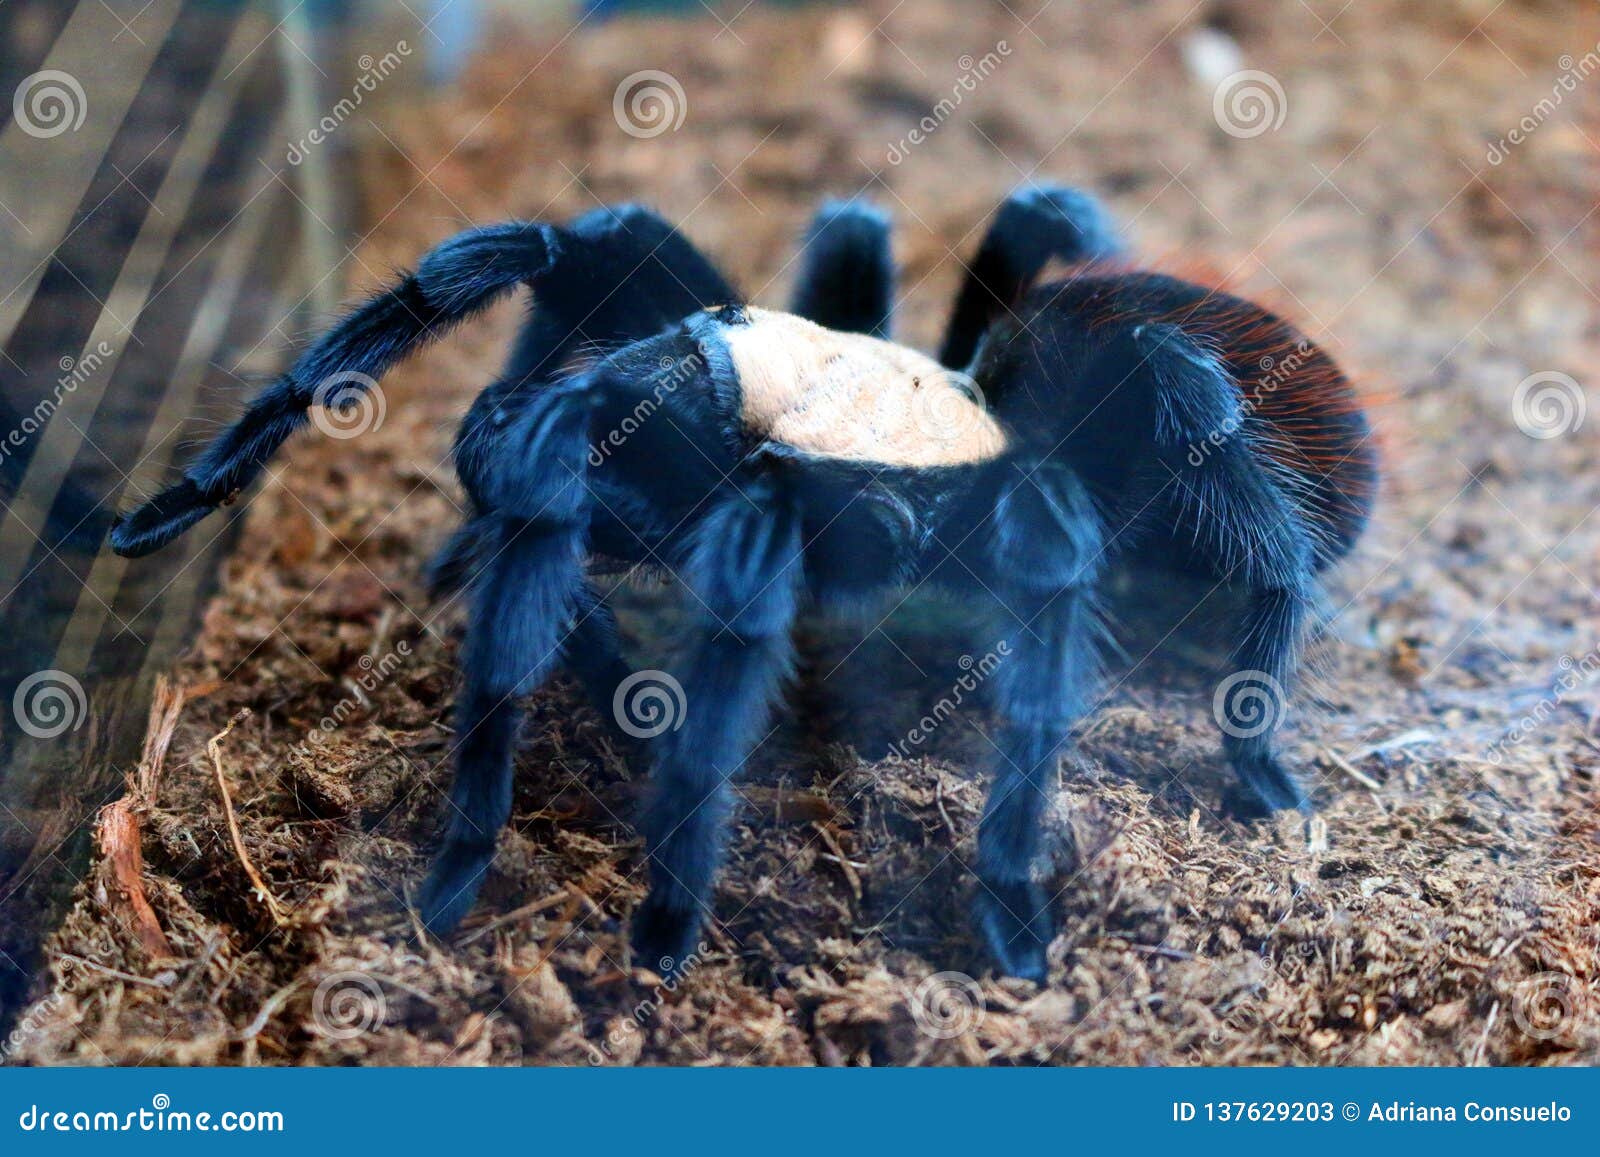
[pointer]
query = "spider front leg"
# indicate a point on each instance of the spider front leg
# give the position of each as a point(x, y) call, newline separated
point(612, 275)
point(454, 281)
point(742, 568)
point(617, 274)
point(1047, 551)
point(523, 605)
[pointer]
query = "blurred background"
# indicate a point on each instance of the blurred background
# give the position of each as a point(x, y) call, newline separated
point(188, 188)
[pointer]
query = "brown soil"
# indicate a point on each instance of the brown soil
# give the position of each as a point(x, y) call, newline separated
point(1441, 911)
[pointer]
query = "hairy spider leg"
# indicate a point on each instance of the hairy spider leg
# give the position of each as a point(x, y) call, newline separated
point(847, 277)
point(1245, 523)
point(742, 563)
point(1104, 430)
point(458, 279)
point(1033, 226)
point(621, 273)
point(1241, 520)
point(523, 608)
point(1046, 553)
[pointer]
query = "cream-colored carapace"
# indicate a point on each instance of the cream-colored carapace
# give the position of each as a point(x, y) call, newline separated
point(847, 395)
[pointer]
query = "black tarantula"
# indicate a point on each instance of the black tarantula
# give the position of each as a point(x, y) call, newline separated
point(771, 460)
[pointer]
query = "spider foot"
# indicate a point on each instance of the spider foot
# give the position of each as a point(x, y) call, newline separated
point(1073, 222)
point(1267, 786)
point(1016, 922)
point(451, 887)
point(666, 937)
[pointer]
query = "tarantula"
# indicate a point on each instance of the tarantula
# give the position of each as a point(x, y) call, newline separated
point(772, 461)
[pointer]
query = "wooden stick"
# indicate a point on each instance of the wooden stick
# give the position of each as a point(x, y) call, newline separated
point(214, 747)
point(166, 706)
point(851, 876)
point(532, 909)
point(117, 830)
point(130, 978)
point(119, 843)
point(784, 805)
point(1350, 769)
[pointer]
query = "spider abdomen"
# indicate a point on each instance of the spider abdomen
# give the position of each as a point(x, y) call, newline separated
point(1290, 404)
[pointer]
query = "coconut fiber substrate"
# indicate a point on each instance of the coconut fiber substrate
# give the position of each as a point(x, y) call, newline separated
point(248, 901)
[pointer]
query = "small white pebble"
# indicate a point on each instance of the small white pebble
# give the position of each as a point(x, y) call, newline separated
point(1210, 55)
